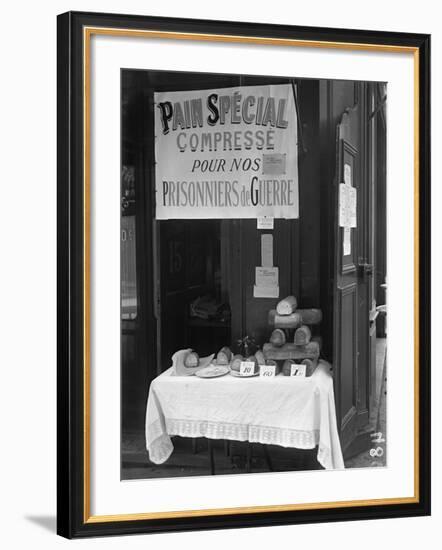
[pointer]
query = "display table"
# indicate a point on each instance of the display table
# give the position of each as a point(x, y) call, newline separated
point(286, 411)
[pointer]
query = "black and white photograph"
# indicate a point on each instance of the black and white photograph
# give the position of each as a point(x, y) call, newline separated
point(220, 275)
point(253, 274)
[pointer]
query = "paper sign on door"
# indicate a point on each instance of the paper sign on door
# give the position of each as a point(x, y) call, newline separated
point(347, 174)
point(347, 205)
point(347, 241)
point(266, 276)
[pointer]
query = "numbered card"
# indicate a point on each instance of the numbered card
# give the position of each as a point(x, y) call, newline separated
point(297, 370)
point(246, 368)
point(267, 371)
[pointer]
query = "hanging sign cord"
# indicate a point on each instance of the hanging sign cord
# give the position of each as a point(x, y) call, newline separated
point(300, 134)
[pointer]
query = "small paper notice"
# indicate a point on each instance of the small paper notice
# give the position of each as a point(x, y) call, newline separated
point(265, 223)
point(267, 371)
point(267, 250)
point(347, 205)
point(347, 174)
point(273, 164)
point(246, 368)
point(347, 241)
point(266, 276)
point(265, 291)
point(297, 370)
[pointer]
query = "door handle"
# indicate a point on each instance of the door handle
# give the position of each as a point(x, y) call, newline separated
point(365, 269)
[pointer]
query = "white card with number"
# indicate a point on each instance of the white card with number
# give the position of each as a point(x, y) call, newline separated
point(246, 368)
point(267, 371)
point(297, 370)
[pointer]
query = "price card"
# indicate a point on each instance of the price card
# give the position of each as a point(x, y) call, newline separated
point(246, 368)
point(297, 370)
point(267, 371)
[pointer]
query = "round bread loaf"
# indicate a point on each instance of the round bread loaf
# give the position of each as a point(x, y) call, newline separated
point(277, 338)
point(303, 335)
point(191, 360)
point(236, 362)
point(310, 365)
point(287, 306)
point(224, 356)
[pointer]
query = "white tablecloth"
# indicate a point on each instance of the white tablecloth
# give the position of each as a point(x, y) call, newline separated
point(287, 411)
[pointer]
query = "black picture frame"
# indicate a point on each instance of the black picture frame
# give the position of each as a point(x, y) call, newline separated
point(72, 502)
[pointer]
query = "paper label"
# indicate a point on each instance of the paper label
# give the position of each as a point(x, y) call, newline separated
point(266, 276)
point(347, 241)
point(267, 250)
point(267, 371)
point(273, 164)
point(265, 291)
point(347, 205)
point(347, 174)
point(297, 370)
point(352, 193)
point(246, 368)
point(265, 222)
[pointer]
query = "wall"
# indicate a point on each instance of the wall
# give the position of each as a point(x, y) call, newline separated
point(28, 390)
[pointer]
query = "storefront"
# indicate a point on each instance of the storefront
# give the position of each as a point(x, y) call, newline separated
point(190, 280)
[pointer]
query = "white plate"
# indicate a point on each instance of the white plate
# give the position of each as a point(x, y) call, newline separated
point(238, 375)
point(212, 371)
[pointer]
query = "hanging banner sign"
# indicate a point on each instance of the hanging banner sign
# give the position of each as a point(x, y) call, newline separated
point(226, 153)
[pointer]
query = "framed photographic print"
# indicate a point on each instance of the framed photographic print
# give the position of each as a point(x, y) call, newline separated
point(243, 274)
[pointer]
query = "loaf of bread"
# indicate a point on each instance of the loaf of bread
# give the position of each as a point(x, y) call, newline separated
point(303, 335)
point(191, 360)
point(292, 351)
point(310, 316)
point(277, 338)
point(284, 321)
point(224, 356)
point(311, 365)
point(236, 362)
point(287, 306)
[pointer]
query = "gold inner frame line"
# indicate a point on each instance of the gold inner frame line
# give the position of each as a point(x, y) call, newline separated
point(136, 33)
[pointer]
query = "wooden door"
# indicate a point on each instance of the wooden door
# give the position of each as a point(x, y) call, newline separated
point(351, 272)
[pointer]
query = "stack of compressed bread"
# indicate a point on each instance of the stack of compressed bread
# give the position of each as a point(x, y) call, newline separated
point(291, 323)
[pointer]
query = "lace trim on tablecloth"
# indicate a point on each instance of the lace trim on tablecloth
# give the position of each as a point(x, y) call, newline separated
point(284, 437)
point(160, 446)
